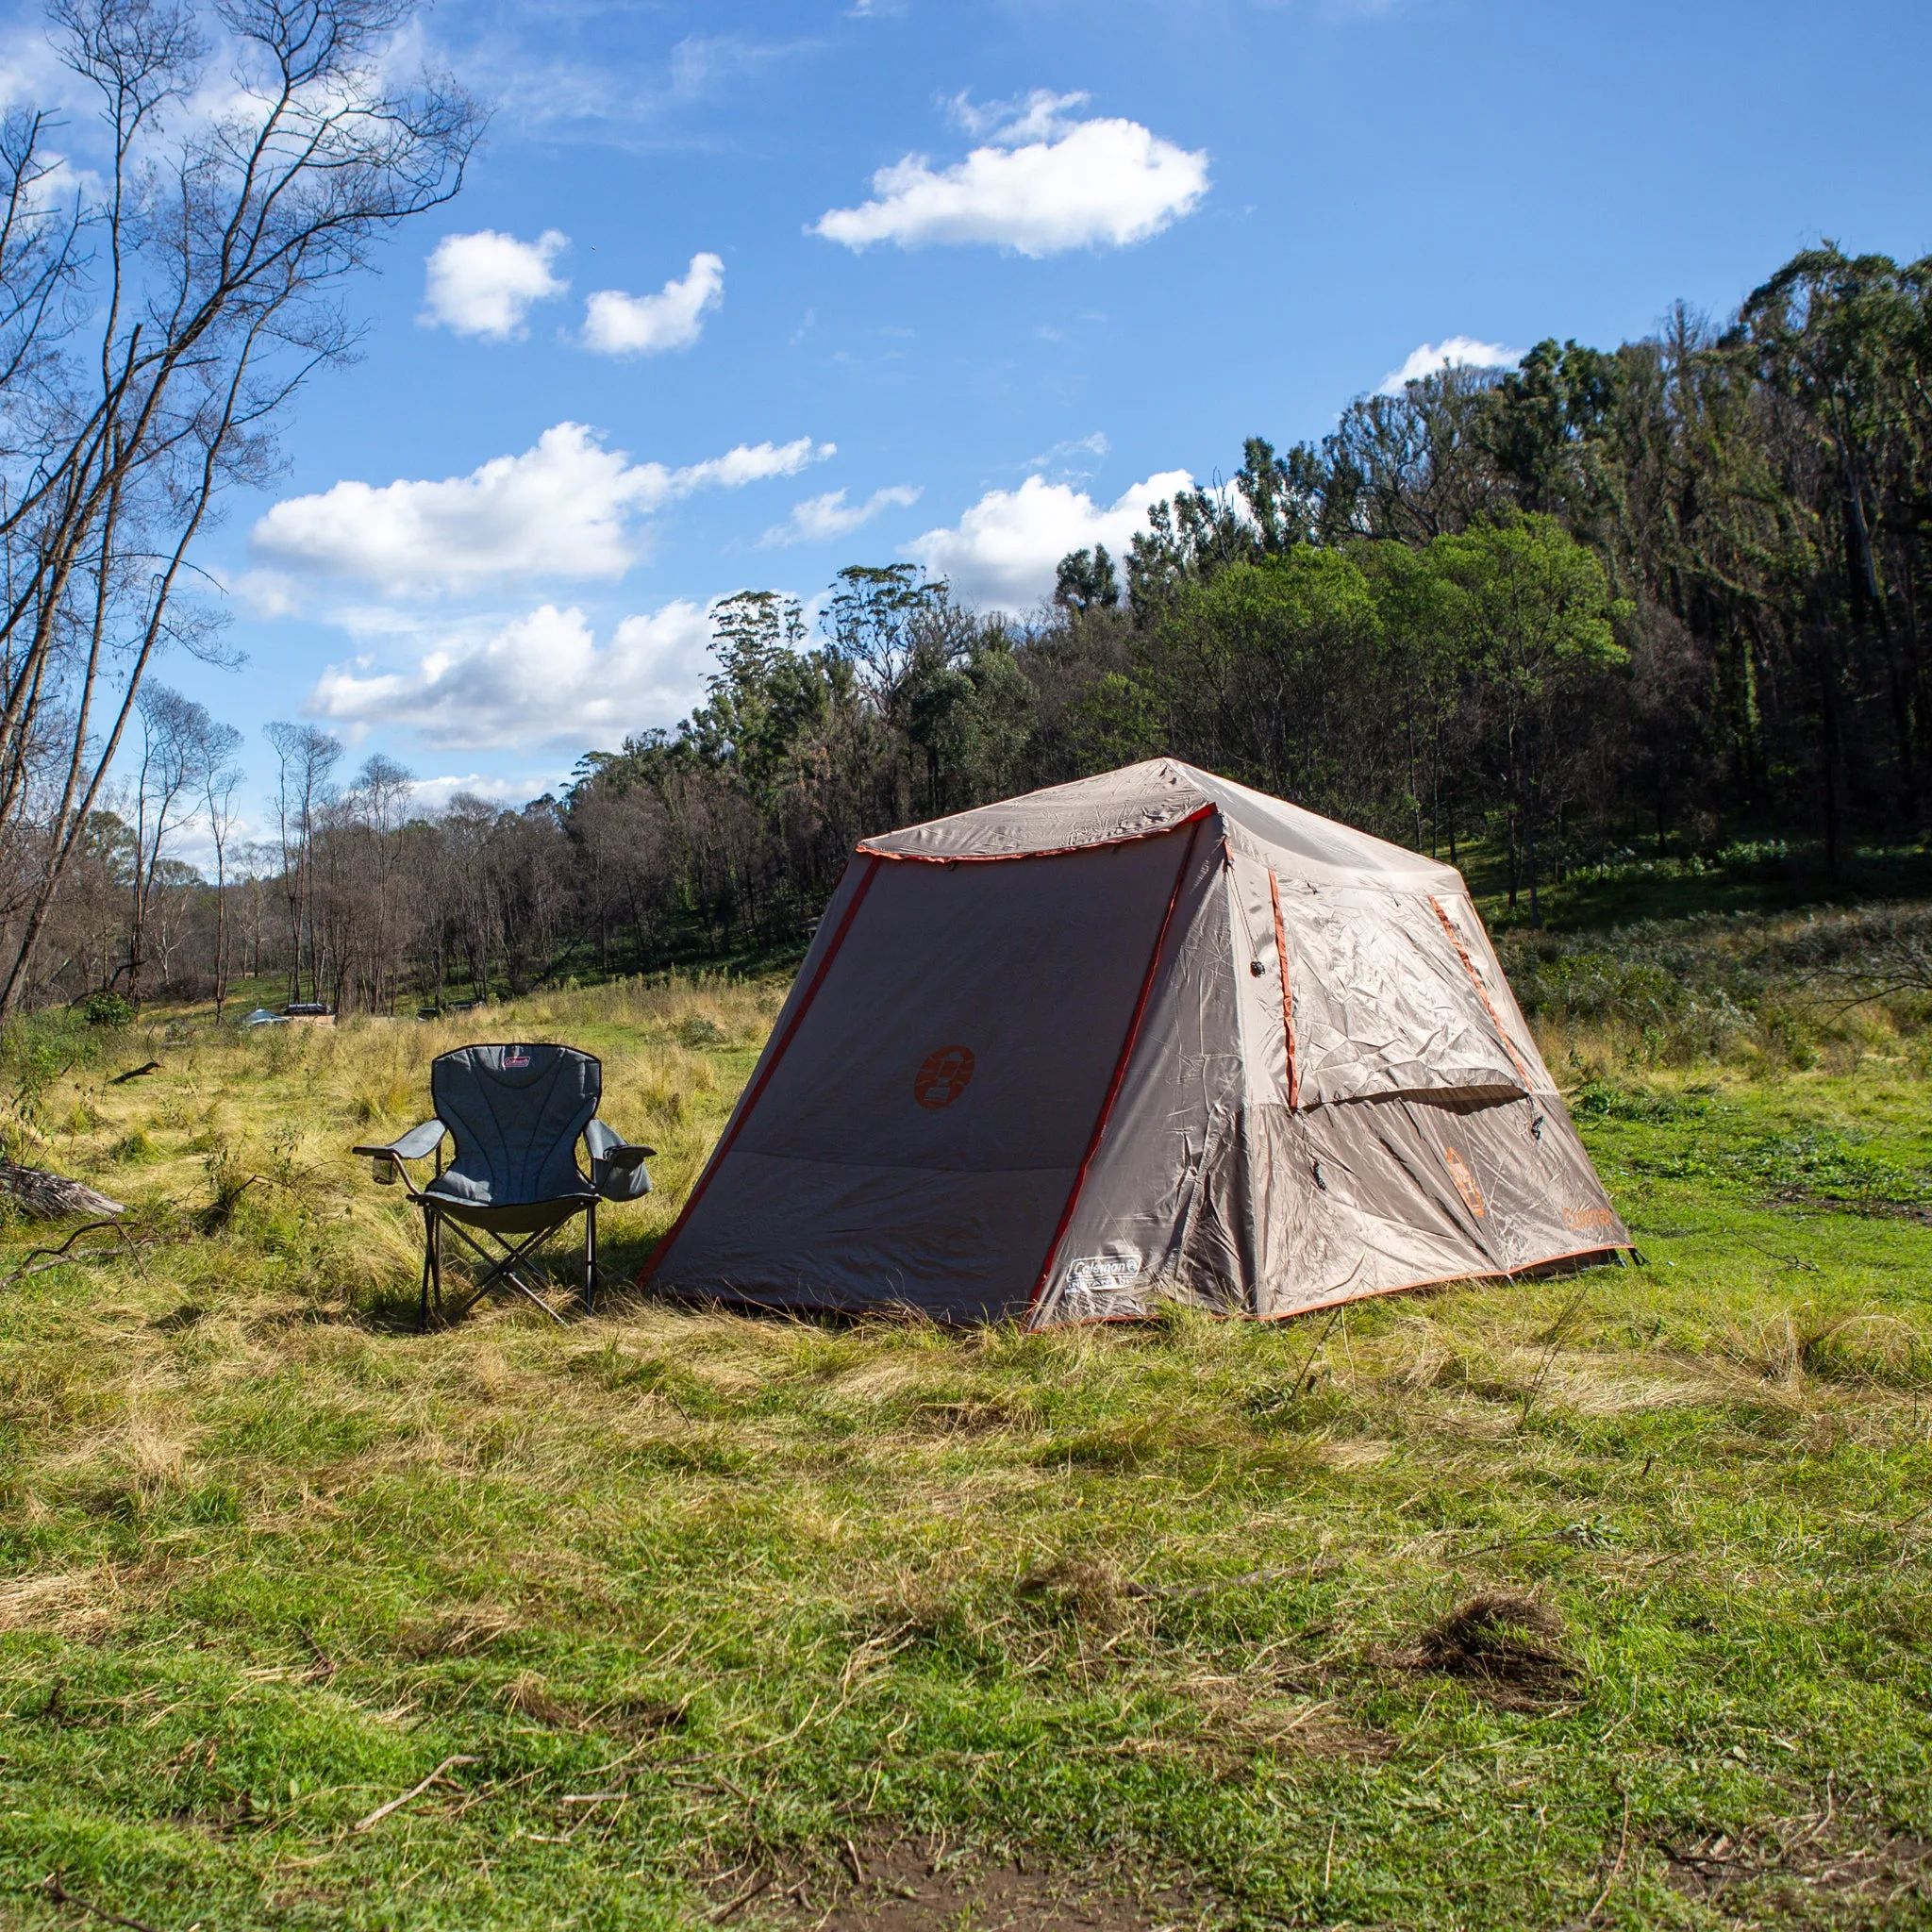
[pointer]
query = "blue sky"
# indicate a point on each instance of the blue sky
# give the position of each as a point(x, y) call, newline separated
point(739, 293)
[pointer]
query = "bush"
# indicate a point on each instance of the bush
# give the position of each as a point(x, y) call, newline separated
point(107, 1008)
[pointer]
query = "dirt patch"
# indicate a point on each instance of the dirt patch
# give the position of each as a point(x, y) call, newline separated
point(1508, 1646)
point(1873, 1207)
point(1809, 1879)
point(921, 1887)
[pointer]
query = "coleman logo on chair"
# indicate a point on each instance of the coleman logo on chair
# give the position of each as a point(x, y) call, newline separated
point(516, 1057)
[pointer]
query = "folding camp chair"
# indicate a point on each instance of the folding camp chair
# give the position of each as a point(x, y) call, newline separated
point(516, 1114)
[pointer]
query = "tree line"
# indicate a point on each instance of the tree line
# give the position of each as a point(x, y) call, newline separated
point(1672, 593)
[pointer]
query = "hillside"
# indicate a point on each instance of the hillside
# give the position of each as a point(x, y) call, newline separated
point(1601, 1600)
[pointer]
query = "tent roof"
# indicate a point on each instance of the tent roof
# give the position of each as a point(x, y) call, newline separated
point(1140, 800)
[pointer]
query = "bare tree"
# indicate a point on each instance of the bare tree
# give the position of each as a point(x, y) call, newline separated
point(306, 757)
point(153, 325)
point(221, 780)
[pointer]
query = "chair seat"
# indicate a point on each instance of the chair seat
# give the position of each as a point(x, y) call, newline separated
point(509, 1217)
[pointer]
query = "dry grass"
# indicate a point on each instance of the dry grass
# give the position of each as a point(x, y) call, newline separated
point(1202, 1589)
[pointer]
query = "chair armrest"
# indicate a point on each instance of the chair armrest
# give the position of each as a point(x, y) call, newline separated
point(606, 1144)
point(617, 1165)
point(417, 1145)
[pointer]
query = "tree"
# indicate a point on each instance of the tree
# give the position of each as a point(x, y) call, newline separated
point(304, 757)
point(181, 749)
point(1270, 671)
point(1086, 581)
point(1531, 611)
point(155, 319)
point(873, 620)
point(221, 781)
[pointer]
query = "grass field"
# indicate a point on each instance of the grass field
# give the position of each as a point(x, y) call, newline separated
point(713, 1621)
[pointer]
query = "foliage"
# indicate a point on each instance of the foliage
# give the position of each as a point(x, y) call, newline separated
point(1650, 615)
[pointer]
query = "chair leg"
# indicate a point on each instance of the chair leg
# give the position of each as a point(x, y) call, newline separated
point(428, 1253)
point(591, 1260)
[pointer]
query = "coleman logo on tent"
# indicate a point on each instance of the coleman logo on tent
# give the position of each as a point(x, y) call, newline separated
point(943, 1076)
point(516, 1057)
point(1465, 1181)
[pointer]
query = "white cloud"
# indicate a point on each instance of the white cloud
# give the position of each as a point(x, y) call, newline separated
point(620, 324)
point(267, 593)
point(1004, 551)
point(434, 795)
point(1461, 352)
point(484, 284)
point(1096, 445)
point(818, 519)
point(568, 508)
point(1039, 186)
point(540, 680)
point(1037, 116)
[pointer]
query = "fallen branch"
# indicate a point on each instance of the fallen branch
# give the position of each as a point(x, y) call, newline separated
point(733, 1907)
point(49, 1196)
point(59, 1895)
point(382, 1812)
point(60, 1258)
point(135, 1073)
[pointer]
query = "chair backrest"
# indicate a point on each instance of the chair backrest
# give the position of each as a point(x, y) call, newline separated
point(516, 1114)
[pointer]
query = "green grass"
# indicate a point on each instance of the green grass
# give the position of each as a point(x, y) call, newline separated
point(757, 1588)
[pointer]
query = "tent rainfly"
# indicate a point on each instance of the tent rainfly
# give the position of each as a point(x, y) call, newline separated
point(1148, 1036)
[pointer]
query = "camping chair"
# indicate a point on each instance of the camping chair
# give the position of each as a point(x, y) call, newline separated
point(516, 1114)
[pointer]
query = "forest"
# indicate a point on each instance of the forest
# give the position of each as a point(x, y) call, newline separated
point(1657, 599)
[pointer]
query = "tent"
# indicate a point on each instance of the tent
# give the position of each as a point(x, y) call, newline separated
point(1150, 1035)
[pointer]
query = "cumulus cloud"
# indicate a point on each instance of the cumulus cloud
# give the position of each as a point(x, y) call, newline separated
point(1040, 184)
point(484, 284)
point(1004, 551)
point(818, 519)
point(1461, 352)
point(566, 507)
point(620, 324)
point(541, 681)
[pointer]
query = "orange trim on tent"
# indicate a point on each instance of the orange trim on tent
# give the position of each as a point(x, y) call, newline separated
point(1294, 1078)
point(764, 1079)
point(1195, 816)
point(1483, 994)
point(1120, 1069)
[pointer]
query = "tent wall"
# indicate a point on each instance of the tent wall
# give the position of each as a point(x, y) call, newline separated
point(852, 1173)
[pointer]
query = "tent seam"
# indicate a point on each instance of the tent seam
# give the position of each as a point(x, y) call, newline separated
point(1120, 1070)
point(1193, 817)
point(1483, 994)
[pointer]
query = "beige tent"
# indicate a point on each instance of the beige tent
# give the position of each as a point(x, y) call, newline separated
point(1149, 1034)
